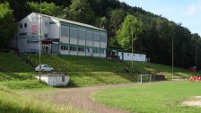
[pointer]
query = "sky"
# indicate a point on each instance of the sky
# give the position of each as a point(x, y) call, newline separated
point(187, 12)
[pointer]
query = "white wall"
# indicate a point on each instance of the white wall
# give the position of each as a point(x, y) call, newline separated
point(134, 56)
point(54, 80)
point(54, 29)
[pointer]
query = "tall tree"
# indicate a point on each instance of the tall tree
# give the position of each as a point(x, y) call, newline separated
point(81, 11)
point(116, 18)
point(129, 31)
point(8, 27)
point(46, 8)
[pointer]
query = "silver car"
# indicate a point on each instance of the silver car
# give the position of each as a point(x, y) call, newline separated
point(44, 68)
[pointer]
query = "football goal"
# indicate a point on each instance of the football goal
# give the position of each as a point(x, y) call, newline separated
point(144, 78)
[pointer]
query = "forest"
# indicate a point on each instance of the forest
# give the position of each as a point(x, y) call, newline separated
point(127, 27)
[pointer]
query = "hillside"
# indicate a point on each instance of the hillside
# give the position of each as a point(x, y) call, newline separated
point(83, 71)
point(155, 38)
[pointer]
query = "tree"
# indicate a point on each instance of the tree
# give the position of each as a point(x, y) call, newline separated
point(81, 11)
point(130, 30)
point(102, 22)
point(116, 18)
point(8, 27)
point(46, 8)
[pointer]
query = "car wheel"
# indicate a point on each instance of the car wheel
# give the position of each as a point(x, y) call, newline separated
point(51, 71)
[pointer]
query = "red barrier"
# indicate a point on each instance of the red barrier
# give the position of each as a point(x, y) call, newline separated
point(194, 78)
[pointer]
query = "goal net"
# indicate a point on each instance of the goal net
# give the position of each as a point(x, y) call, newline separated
point(144, 78)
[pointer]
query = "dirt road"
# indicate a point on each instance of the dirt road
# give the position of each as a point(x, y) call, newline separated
point(80, 97)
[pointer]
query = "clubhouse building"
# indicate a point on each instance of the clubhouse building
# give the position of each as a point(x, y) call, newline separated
point(54, 35)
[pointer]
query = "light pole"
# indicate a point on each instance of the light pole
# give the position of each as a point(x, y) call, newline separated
point(132, 54)
point(39, 45)
point(172, 57)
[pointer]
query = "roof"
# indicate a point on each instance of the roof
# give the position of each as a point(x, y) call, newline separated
point(70, 21)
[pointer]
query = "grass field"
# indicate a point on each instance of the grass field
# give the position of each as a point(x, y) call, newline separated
point(10, 102)
point(152, 98)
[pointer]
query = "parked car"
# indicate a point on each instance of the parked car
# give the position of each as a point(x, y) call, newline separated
point(30, 51)
point(44, 68)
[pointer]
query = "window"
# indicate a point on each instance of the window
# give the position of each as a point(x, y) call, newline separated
point(64, 31)
point(46, 23)
point(73, 32)
point(63, 78)
point(81, 34)
point(21, 25)
point(72, 48)
point(96, 36)
point(102, 51)
point(96, 50)
point(89, 35)
point(64, 47)
point(103, 37)
point(22, 34)
point(46, 35)
point(25, 25)
point(81, 49)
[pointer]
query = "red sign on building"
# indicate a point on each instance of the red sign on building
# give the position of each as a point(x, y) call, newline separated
point(34, 29)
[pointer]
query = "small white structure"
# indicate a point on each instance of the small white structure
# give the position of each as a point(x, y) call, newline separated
point(55, 79)
point(135, 56)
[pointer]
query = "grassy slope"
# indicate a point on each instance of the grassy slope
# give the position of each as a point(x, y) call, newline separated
point(83, 71)
point(87, 71)
point(154, 98)
point(10, 63)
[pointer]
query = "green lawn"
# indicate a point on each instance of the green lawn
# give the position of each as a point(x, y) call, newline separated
point(152, 98)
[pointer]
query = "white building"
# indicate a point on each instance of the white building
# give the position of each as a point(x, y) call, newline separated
point(60, 36)
point(55, 79)
point(134, 56)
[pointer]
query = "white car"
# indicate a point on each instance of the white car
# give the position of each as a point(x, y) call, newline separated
point(44, 67)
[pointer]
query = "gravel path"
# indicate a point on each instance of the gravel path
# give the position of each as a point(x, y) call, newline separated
point(80, 97)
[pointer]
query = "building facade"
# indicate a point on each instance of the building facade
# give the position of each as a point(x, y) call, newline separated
point(132, 56)
point(59, 36)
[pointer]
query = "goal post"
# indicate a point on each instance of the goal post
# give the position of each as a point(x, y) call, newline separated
point(144, 78)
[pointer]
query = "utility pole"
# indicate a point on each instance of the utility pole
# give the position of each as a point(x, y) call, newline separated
point(196, 55)
point(39, 45)
point(172, 57)
point(132, 55)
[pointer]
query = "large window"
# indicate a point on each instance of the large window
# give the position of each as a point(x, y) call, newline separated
point(81, 34)
point(73, 32)
point(103, 37)
point(89, 35)
point(64, 31)
point(96, 36)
